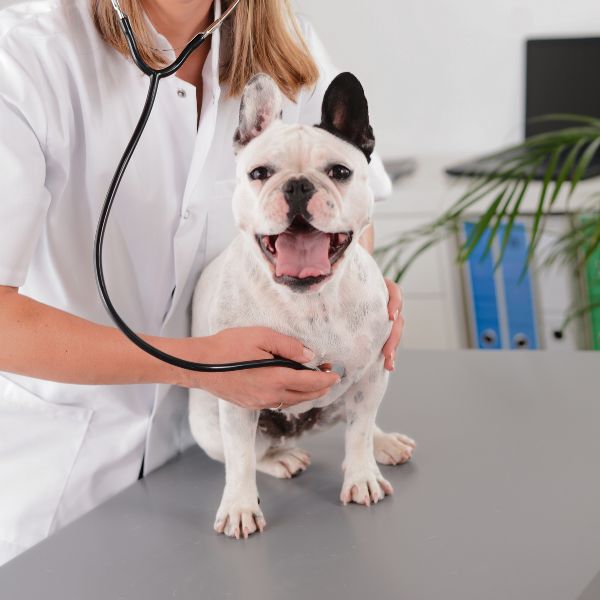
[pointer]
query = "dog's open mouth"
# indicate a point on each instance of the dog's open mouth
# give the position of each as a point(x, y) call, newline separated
point(302, 253)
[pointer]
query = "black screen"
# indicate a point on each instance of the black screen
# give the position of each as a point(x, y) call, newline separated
point(563, 76)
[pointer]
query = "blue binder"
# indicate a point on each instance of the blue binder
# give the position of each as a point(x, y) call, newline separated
point(486, 322)
point(502, 301)
point(518, 295)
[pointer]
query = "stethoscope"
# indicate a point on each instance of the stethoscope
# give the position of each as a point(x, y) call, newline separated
point(155, 76)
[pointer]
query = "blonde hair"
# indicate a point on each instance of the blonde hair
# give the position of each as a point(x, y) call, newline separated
point(260, 36)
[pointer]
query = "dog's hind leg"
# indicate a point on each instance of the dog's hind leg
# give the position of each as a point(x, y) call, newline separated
point(284, 461)
point(392, 448)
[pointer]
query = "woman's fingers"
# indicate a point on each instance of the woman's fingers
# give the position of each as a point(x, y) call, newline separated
point(307, 381)
point(395, 299)
point(394, 313)
point(287, 387)
point(292, 397)
point(389, 348)
point(284, 346)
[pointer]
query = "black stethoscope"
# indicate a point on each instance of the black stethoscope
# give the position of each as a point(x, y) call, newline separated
point(155, 76)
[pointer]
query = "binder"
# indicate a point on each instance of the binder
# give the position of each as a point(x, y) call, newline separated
point(485, 318)
point(592, 280)
point(501, 302)
point(518, 294)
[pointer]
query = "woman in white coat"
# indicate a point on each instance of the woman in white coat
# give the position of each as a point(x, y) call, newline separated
point(73, 430)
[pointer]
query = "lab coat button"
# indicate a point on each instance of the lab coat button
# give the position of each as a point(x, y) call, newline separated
point(186, 214)
point(181, 93)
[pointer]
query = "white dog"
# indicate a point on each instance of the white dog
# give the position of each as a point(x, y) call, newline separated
point(301, 202)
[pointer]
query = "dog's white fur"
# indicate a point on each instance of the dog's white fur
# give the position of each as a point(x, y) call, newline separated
point(343, 319)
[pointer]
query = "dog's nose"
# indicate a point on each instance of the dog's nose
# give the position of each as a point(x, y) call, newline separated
point(298, 192)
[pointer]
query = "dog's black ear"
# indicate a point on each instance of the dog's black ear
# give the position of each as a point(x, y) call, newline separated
point(261, 105)
point(345, 113)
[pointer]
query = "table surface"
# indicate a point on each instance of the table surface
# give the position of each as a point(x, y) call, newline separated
point(501, 501)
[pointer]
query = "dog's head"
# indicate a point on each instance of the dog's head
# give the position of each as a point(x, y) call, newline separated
point(302, 193)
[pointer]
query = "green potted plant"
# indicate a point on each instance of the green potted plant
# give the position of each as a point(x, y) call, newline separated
point(498, 198)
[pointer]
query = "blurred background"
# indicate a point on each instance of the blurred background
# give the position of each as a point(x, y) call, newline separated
point(443, 77)
point(448, 82)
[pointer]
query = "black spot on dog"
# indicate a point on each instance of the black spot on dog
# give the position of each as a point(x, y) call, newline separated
point(277, 424)
point(350, 416)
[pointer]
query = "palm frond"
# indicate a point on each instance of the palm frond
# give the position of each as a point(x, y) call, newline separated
point(578, 312)
point(505, 190)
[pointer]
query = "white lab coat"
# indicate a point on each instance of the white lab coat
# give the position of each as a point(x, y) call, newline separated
point(68, 104)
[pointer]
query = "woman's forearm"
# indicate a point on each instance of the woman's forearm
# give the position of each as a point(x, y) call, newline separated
point(44, 342)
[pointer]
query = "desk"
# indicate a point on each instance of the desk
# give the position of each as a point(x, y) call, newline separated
point(501, 502)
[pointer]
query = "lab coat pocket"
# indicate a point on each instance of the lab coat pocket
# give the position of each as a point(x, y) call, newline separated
point(221, 227)
point(39, 443)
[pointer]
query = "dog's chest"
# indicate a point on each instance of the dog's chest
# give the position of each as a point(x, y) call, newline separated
point(348, 332)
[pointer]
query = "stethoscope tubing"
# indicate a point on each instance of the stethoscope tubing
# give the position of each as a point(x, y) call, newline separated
point(155, 76)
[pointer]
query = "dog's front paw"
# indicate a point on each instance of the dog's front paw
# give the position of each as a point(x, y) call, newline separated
point(392, 448)
point(365, 486)
point(237, 519)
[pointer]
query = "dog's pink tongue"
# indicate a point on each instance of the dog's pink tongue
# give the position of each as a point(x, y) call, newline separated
point(302, 254)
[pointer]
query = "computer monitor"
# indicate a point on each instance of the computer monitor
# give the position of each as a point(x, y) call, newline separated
point(563, 76)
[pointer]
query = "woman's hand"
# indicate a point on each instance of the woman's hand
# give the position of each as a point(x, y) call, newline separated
point(395, 314)
point(265, 387)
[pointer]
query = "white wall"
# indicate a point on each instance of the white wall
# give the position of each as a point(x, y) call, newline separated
point(443, 76)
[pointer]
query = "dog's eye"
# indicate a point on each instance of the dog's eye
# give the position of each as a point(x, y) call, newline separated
point(339, 172)
point(260, 173)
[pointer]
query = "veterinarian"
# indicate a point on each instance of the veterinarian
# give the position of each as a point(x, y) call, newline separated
point(73, 430)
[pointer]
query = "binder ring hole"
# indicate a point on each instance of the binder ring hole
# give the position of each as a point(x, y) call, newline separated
point(488, 337)
point(521, 341)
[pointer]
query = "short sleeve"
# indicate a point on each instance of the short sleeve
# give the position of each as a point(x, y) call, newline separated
point(24, 199)
point(313, 98)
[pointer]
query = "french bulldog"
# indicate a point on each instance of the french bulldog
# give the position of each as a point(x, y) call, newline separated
point(301, 202)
